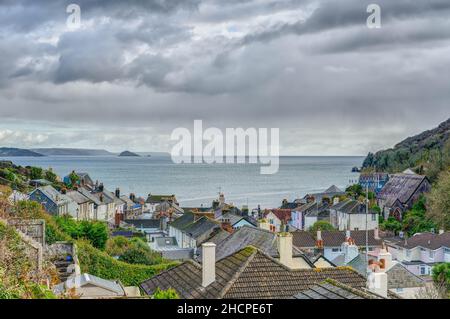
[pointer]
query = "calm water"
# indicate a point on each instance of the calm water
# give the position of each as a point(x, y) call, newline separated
point(196, 184)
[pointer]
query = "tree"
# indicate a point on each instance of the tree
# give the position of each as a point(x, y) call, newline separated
point(391, 224)
point(441, 274)
point(439, 201)
point(50, 176)
point(165, 294)
point(415, 220)
point(321, 225)
point(36, 173)
point(355, 191)
point(74, 178)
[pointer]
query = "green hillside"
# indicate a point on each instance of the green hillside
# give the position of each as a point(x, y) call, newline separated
point(427, 153)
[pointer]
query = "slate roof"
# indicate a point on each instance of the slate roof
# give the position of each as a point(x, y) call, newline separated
point(330, 289)
point(401, 187)
point(194, 228)
point(245, 236)
point(78, 197)
point(154, 199)
point(333, 238)
point(400, 277)
point(350, 206)
point(247, 274)
point(144, 223)
point(234, 219)
point(425, 240)
point(54, 195)
point(91, 196)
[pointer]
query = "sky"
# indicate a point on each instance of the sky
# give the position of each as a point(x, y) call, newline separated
point(134, 71)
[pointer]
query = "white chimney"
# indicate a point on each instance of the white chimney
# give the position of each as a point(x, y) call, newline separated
point(376, 233)
point(208, 264)
point(386, 256)
point(347, 234)
point(377, 282)
point(285, 249)
point(319, 235)
point(351, 251)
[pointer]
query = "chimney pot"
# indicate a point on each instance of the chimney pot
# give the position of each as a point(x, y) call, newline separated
point(208, 264)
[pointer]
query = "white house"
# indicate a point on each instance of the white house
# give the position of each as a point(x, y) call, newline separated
point(351, 215)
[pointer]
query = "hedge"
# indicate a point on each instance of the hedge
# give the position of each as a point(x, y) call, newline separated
point(99, 263)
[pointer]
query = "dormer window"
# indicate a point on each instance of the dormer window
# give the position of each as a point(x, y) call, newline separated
point(431, 254)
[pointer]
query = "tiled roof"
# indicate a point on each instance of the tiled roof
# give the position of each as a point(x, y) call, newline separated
point(282, 214)
point(247, 274)
point(401, 187)
point(425, 240)
point(333, 238)
point(330, 289)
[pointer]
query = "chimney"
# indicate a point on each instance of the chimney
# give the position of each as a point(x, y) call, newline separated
point(208, 264)
point(385, 257)
point(377, 282)
point(347, 235)
point(285, 249)
point(350, 251)
point(117, 192)
point(319, 235)
point(226, 225)
point(376, 233)
point(222, 198)
point(101, 187)
point(132, 197)
point(101, 197)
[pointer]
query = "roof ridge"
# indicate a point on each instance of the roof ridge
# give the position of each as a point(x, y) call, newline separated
point(239, 271)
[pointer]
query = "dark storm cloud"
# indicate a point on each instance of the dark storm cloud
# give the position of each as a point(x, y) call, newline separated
point(312, 68)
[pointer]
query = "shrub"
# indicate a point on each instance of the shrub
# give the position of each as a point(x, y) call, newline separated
point(321, 225)
point(99, 263)
point(441, 274)
point(94, 231)
point(165, 294)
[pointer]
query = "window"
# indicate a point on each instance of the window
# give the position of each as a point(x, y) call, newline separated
point(335, 250)
point(374, 217)
point(431, 254)
point(422, 271)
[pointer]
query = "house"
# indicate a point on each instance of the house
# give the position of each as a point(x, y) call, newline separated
point(278, 219)
point(169, 249)
point(54, 202)
point(105, 199)
point(150, 227)
point(374, 182)
point(131, 209)
point(329, 243)
point(85, 206)
point(246, 274)
point(327, 195)
point(84, 180)
point(420, 252)
point(237, 221)
point(351, 215)
point(17, 196)
point(153, 201)
point(87, 286)
point(306, 215)
point(40, 182)
point(266, 241)
point(400, 193)
point(191, 230)
point(100, 207)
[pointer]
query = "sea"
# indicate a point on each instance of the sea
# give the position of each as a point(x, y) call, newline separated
point(198, 184)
